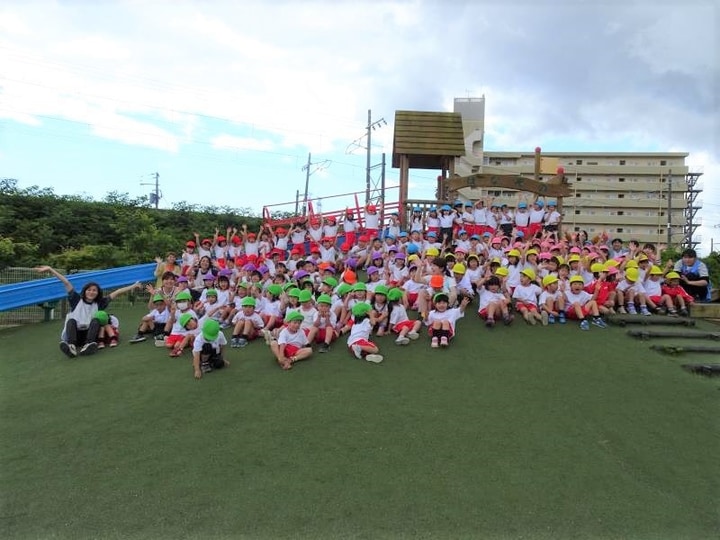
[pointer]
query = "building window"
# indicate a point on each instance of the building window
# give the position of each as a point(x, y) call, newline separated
point(663, 162)
point(662, 213)
point(578, 162)
point(476, 168)
point(579, 179)
point(621, 213)
point(577, 229)
point(660, 231)
point(621, 195)
point(577, 194)
point(592, 162)
point(622, 162)
point(619, 229)
point(621, 179)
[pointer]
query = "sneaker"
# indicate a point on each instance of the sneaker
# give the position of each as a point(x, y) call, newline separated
point(444, 341)
point(224, 325)
point(175, 353)
point(584, 325)
point(561, 318)
point(507, 321)
point(672, 313)
point(551, 319)
point(597, 321)
point(413, 335)
point(622, 311)
point(138, 338)
point(434, 343)
point(662, 311)
point(234, 343)
point(631, 309)
point(644, 311)
point(374, 358)
point(113, 342)
point(68, 350)
point(160, 342)
point(242, 342)
point(490, 323)
point(101, 345)
point(268, 336)
point(530, 318)
point(545, 318)
point(357, 351)
point(684, 312)
point(324, 347)
point(88, 349)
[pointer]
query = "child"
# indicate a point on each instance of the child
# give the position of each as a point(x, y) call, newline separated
point(324, 323)
point(441, 320)
point(208, 349)
point(630, 291)
point(680, 297)
point(399, 321)
point(492, 301)
point(79, 336)
point(109, 333)
point(380, 310)
point(187, 326)
point(291, 345)
point(359, 340)
point(656, 300)
point(552, 301)
point(154, 322)
point(526, 297)
point(247, 323)
point(579, 304)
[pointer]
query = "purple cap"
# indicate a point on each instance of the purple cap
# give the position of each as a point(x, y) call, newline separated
point(372, 270)
point(400, 256)
point(392, 248)
point(182, 279)
point(249, 267)
point(330, 269)
point(225, 273)
point(351, 263)
point(263, 269)
point(376, 255)
point(300, 274)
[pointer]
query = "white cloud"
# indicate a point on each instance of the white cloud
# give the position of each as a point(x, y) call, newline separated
point(228, 142)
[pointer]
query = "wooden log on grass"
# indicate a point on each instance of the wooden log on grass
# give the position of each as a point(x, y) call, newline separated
point(679, 349)
point(689, 334)
point(622, 320)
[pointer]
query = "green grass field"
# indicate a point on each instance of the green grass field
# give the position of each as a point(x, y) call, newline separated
point(520, 432)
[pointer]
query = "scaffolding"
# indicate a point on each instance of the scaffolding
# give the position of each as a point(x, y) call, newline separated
point(692, 206)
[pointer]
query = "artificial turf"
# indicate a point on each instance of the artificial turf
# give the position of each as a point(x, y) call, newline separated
point(519, 432)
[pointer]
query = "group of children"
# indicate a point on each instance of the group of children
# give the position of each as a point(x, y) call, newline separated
point(300, 295)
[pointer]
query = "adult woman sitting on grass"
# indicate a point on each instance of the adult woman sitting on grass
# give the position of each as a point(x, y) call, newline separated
point(80, 334)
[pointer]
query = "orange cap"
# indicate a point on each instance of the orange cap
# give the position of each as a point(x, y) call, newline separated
point(436, 282)
point(349, 277)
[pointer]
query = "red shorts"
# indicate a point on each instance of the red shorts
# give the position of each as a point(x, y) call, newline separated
point(436, 230)
point(401, 325)
point(534, 228)
point(321, 335)
point(173, 339)
point(372, 233)
point(361, 343)
point(655, 299)
point(290, 350)
point(570, 313)
point(266, 319)
point(412, 298)
point(529, 307)
point(483, 313)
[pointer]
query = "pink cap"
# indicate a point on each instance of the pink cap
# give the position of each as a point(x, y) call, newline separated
point(497, 240)
point(576, 250)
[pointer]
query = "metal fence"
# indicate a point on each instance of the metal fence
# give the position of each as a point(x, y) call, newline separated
point(51, 311)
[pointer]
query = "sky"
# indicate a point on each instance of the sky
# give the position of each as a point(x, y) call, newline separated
point(225, 100)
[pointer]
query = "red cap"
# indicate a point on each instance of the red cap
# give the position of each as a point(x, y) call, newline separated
point(251, 235)
point(295, 251)
point(363, 238)
point(252, 258)
point(235, 239)
point(221, 238)
point(190, 243)
point(206, 241)
point(315, 249)
point(371, 208)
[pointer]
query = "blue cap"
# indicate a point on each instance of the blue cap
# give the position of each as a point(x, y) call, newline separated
point(445, 207)
point(522, 205)
point(403, 234)
point(469, 204)
point(390, 236)
point(487, 234)
point(457, 202)
point(417, 209)
point(432, 209)
point(475, 237)
point(540, 203)
point(520, 234)
point(432, 234)
point(552, 203)
point(412, 249)
point(462, 231)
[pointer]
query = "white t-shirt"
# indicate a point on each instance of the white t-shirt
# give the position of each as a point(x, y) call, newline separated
point(372, 221)
point(582, 298)
point(449, 315)
point(398, 315)
point(287, 337)
point(527, 294)
point(359, 331)
point(488, 297)
point(217, 343)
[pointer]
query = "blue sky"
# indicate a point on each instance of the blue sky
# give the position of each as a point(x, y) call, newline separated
point(226, 99)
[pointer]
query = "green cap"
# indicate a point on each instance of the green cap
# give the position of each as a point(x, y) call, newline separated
point(305, 295)
point(324, 299)
point(183, 295)
point(343, 289)
point(185, 318)
point(293, 316)
point(294, 292)
point(289, 285)
point(102, 317)
point(395, 294)
point(441, 297)
point(158, 298)
point(361, 308)
point(248, 301)
point(275, 289)
point(211, 292)
point(381, 289)
point(359, 286)
point(211, 329)
point(330, 281)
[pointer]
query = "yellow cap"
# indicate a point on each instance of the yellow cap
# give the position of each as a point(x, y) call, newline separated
point(502, 272)
point(459, 268)
point(549, 280)
point(529, 272)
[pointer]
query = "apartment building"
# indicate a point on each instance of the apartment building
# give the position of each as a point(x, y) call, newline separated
point(638, 195)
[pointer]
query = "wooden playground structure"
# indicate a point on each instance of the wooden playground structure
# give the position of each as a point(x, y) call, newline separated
point(430, 140)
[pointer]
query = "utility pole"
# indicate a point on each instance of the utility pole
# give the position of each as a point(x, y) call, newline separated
point(370, 128)
point(155, 195)
point(669, 209)
point(308, 171)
